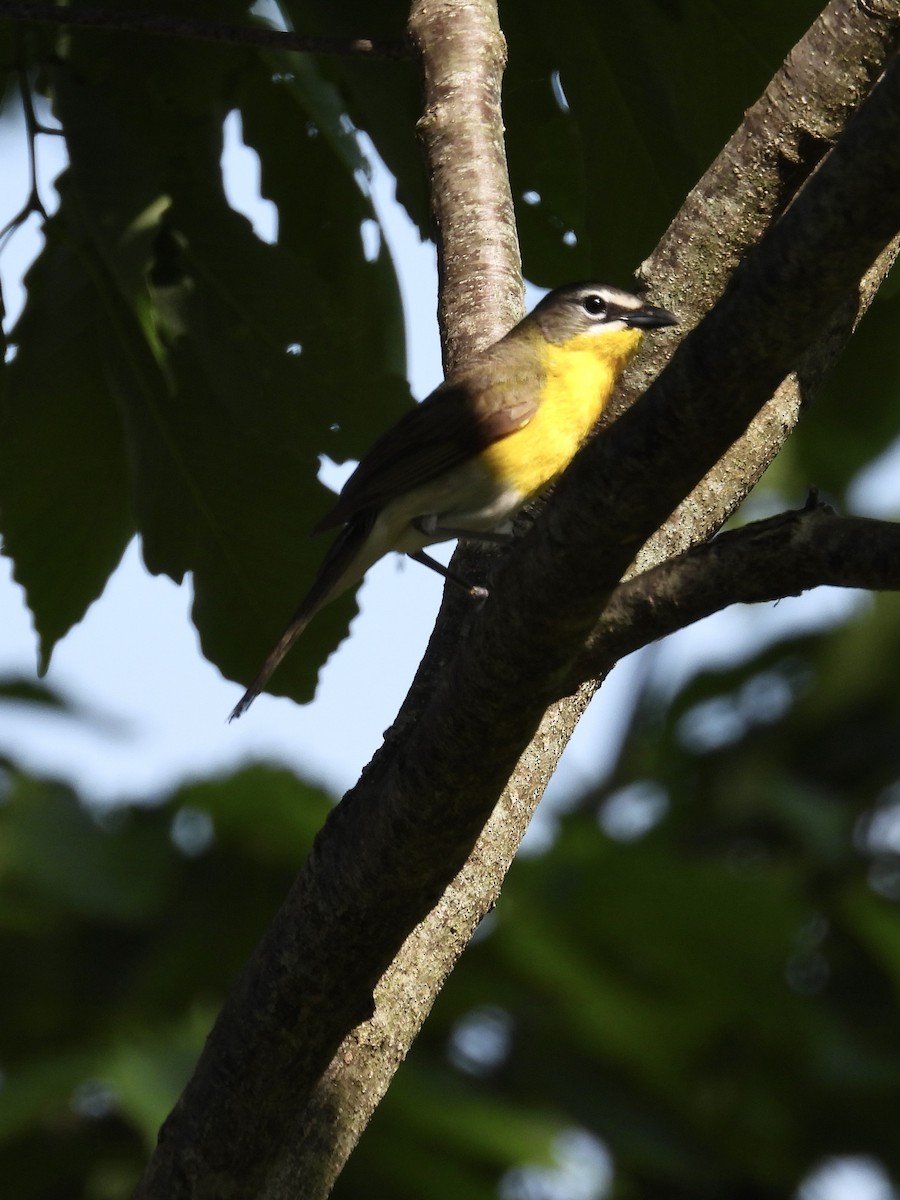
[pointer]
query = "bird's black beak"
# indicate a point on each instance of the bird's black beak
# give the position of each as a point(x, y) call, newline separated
point(648, 316)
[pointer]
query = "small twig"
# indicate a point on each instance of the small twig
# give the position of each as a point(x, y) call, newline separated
point(194, 27)
point(33, 126)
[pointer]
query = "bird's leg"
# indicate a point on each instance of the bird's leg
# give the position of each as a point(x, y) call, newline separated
point(474, 591)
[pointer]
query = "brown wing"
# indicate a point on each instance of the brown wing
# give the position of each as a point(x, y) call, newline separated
point(495, 394)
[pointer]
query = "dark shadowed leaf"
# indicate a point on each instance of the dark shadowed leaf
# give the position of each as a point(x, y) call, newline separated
point(64, 495)
point(199, 372)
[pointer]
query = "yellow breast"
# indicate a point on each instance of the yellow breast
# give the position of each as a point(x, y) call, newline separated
point(578, 379)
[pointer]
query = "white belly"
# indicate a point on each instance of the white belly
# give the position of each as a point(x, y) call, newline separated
point(467, 498)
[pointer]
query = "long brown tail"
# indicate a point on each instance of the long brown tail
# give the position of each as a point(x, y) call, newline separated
point(337, 562)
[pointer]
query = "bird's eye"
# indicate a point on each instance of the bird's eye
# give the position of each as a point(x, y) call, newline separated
point(594, 305)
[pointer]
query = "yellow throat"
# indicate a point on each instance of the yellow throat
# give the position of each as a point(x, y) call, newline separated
point(577, 378)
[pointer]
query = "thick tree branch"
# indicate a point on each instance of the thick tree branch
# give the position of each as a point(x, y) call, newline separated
point(779, 300)
point(199, 29)
point(398, 839)
point(737, 472)
point(779, 143)
point(780, 556)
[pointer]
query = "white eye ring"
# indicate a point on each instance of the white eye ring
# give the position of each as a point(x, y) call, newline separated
point(594, 305)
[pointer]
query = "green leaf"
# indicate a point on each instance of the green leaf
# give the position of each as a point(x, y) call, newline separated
point(649, 98)
point(64, 504)
point(217, 368)
point(383, 98)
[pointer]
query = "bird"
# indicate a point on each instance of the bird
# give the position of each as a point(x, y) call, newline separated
point(496, 433)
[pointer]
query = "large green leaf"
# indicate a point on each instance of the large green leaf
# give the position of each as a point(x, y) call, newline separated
point(383, 97)
point(622, 116)
point(211, 370)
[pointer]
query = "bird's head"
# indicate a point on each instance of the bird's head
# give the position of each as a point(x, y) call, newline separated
point(595, 308)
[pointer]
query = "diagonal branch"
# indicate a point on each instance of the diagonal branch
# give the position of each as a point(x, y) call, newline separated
point(197, 28)
point(780, 556)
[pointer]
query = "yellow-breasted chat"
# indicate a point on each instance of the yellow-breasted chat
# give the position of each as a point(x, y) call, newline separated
point(496, 433)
